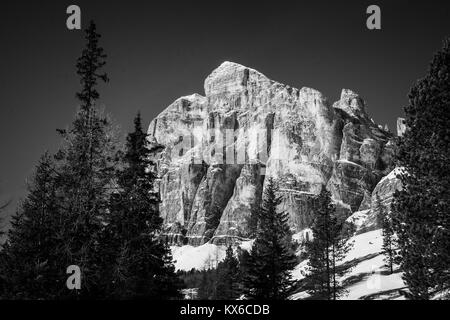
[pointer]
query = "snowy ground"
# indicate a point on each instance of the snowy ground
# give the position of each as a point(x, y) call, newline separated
point(203, 257)
point(368, 278)
point(370, 269)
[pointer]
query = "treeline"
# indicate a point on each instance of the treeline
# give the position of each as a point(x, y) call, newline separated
point(266, 271)
point(263, 273)
point(91, 205)
point(415, 229)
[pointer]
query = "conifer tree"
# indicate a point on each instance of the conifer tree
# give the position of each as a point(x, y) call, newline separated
point(81, 177)
point(388, 244)
point(27, 261)
point(421, 208)
point(228, 280)
point(389, 247)
point(142, 266)
point(271, 259)
point(327, 249)
point(86, 165)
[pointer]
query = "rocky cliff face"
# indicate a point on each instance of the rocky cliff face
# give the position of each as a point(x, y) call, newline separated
point(367, 217)
point(216, 151)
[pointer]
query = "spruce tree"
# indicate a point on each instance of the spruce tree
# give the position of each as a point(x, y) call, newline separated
point(228, 281)
point(271, 259)
point(389, 246)
point(142, 266)
point(86, 164)
point(27, 261)
point(327, 249)
point(421, 208)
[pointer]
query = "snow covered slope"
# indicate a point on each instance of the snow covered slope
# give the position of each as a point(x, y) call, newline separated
point(203, 257)
point(368, 279)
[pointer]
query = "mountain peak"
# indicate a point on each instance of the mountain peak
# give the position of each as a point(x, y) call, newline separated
point(230, 78)
point(352, 104)
point(219, 149)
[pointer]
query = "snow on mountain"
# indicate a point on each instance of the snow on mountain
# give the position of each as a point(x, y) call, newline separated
point(202, 257)
point(215, 153)
point(368, 278)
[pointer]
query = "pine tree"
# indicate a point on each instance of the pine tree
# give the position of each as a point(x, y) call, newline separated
point(271, 259)
point(421, 215)
point(228, 280)
point(389, 246)
point(86, 166)
point(143, 266)
point(27, 261)
point(327, 249)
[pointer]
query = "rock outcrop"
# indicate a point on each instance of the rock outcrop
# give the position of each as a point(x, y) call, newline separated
point(367, 218)
point(215, 152)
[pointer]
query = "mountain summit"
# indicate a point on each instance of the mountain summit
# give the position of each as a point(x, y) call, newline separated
point(215, 152)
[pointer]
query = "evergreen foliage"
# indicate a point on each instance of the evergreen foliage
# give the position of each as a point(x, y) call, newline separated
point(86, 168)
point(268, 270)
point(29, 259)
point(329, 246)
point(228, 280)
point(91, 206)
point(141, 264)
point(421, 220)
point(389, 242)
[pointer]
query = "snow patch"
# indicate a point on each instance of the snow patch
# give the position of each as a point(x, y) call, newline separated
point(368, 278)
point(203, 257)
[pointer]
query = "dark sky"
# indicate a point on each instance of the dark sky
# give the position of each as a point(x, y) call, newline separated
point(161, 51)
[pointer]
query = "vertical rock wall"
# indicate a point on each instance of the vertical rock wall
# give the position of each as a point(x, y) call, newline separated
point(216, 151)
